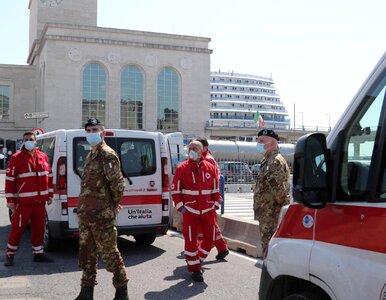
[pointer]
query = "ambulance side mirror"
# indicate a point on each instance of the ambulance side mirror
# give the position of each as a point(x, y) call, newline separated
point(310, 173)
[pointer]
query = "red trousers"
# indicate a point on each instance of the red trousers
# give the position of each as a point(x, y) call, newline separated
point(219, 242)
point(35, 213)
point(192, 224)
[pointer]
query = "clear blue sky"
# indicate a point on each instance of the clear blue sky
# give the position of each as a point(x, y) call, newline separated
point(318, 52)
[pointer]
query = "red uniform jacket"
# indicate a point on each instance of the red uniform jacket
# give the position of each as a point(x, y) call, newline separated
point(28, 179)
point(195, 187)
point(209, 157)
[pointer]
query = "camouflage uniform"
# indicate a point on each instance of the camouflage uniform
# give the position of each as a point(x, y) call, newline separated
point(271, 192)
point(101, 191)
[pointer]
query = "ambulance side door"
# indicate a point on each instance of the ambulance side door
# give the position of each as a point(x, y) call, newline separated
point(140, 164)
point(77, 150)
point(349, 254)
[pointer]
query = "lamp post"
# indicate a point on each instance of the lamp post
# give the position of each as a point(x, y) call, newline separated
point(300, 112)
point(294, 117)
point(329, 121)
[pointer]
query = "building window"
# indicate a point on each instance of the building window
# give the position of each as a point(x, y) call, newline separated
point(131, 98)
point(4, 102)
point(94, 92)
point(168, 100)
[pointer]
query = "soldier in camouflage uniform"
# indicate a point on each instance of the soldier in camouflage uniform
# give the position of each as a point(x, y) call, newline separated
point(101, 191)
point(272, 187)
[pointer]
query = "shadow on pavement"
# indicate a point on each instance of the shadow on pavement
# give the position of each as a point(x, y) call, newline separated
point(189, 287)
point(66, 257)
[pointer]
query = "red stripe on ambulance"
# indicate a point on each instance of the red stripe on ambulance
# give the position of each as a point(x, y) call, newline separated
point(290, 227)
point(361, 227)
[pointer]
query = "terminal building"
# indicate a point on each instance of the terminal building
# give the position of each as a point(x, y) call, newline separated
point(128, 79)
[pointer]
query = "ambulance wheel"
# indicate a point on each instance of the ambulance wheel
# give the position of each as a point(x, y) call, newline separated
point(50, 243)
point(145, 239)
point(303, 296)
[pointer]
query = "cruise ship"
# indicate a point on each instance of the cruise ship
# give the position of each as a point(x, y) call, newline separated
point(243, 103)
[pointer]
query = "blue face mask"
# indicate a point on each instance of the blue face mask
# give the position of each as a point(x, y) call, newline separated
point(94, 138)
point(260, 148)
point(193, 155)
point(29, 145)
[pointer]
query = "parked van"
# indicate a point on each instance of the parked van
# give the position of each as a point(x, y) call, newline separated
point(146, 202)
point(177, 149)
point(331, 241)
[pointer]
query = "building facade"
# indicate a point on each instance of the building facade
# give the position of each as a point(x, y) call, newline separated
point(128, 79)
point(235, 100)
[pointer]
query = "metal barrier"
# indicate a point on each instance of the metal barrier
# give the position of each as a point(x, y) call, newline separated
point(222, 192)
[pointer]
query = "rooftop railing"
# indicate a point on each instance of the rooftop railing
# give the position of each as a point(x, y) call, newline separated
point(274, 124)
point(232, 74)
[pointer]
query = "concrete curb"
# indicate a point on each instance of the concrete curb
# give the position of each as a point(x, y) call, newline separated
point(241, 234)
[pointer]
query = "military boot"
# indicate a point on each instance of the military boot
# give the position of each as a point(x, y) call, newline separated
point(121, 294)
point(8, 260)
point(86, 293)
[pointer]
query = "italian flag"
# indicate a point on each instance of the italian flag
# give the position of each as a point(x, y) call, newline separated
point(259, 118)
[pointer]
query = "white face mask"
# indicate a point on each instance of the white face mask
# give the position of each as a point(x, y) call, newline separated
point(260, 148)
point(193, 155)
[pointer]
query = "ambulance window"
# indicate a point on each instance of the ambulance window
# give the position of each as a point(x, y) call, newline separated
point(381, 193)
point(382, 189)
point(137, 156)
point(47, 146)
point(358, 152)
point(80, 150)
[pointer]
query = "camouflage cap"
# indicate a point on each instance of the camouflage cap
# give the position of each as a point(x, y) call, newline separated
point(268, 132)
point(92, 122)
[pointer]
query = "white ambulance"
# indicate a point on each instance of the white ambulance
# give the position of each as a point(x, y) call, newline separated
point(145, 162)
point(331, 241)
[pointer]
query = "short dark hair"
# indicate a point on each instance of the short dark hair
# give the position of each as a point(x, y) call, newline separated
point(29, 133)
point(203, 141)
